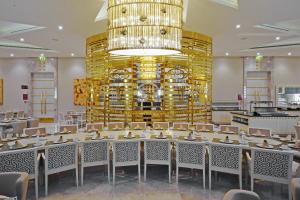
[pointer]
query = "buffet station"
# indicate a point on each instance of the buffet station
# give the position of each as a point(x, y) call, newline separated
point(265, 117)
point(221, 112)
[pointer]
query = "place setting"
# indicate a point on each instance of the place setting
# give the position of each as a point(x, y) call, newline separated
point(227, 140)
point(265, 144)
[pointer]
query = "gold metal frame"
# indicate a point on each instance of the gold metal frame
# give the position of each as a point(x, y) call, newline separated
point(189, 101)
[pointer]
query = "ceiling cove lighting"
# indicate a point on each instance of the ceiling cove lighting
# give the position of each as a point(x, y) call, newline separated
point(145, 27)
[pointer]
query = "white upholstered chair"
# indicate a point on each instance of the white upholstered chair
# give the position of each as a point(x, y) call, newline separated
point(138, 125)
point(225, 158)
point(115, 126)
point(34, 131)
point(271, 165)
point(73, 128)
point(190, 155)
point(180, 126)
point(97, 126)
point(126, 153)
point(59, 158)
point(259, 131)
point(160, 125)
point(94, 153)
point(204, 127)
point(24, 160)
point(157, 152)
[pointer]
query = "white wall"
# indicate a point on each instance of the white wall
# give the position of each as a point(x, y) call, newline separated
point(68, 69)
point(227, 78)
point(286, 71)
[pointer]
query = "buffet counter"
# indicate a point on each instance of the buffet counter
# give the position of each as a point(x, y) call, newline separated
point(278, 124)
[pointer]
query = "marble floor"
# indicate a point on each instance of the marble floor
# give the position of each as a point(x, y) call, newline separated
point(96, 186)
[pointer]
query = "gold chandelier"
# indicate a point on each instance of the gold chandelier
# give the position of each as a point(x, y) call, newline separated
point(144, 27)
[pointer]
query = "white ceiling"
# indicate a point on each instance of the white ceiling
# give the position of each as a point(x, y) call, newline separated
point(216, 20)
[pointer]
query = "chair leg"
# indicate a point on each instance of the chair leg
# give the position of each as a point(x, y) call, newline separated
point(36, 188)
point(240, 178)
point(290, 191)
point(82, 175)
point(177, 172)
point(209, 180)
point(145, 172)
point(170, 178)
point(108, 172)
point(46, 185)
point(139, 171)
point(252, 184)
point(76, 170)
point(203, 178)
point(114, 174)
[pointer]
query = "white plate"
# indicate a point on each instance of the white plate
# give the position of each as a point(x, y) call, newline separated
point(190, 139)
point(265, 147)
point(132, 137)
point(163, 137)
point(293, 146)
point(98, 138)
point(226, 142)
point(59, 142)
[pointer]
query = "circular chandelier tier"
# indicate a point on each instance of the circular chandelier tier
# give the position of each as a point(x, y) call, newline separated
point(144, 27)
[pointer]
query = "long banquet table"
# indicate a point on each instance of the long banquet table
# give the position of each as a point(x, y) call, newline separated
point(246, 142)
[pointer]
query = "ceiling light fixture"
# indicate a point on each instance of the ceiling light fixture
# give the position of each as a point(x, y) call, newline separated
point(258, 54)
point(12, 55)
point(60, 27)
point(238, 26)
point(277, 38)
point(145, 28)
point(290, 53)
point(72, 54)
point(21, 39)
point(227, 54)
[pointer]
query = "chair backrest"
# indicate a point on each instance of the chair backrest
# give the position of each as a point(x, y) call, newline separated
point(33, 123)
point(72, 128)
point(19, 126)
point(97, 126)
point(2, 115)
point(115, 126)
point(297, 132)
point(229, 129)
point(24, 160)
point(271, 165)
point(157, 151)
point(126, 152)
point(205, 127)
point(261, 131)
point(95, 153)
point(34, 131)
point(181, 126)
point(225, 158)
point(61, 157)
point(138, 125)
point(20, 114)
point(161, 125)
point(9, 115)
point(190, 154)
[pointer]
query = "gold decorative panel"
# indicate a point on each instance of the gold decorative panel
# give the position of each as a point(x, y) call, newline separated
point(1, 91)
point(175, 88)
point(80, 89)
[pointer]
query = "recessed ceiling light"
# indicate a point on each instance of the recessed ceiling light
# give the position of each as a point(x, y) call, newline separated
point(60, 27)
point(12, 55)
point(277, 38)
point(72, 54)
point(290, 53)
point(42, 54)
point(258, 54)
point(21, 39)
point(227, 54)
point(238, 26)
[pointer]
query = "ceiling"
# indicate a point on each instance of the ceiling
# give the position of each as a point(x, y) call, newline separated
point(78, 20)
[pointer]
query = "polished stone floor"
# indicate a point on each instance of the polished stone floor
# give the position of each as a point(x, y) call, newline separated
point(62, 186)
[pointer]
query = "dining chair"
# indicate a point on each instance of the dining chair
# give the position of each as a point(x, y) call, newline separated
point(180, 126)
point(59, 158)
point(190, 155)
point(225, 158)
point(34, 131)
point(20, 114)
point(31, 123)
point(271, 165)
point(18, 127)
point(240, 195)
point(115, 126)
point(97, 126)
point(126, 153)
point(9, 115)
point(260, 131)
point(204, 127)
point(24, 160)
point(157, 152)
point(94, 153)
point(82, 120)
point(2, 116)
point(229, 129)
point(14, 185)
point(73, 128)
point(297, 128)
point(138, 125)
point(160, 125)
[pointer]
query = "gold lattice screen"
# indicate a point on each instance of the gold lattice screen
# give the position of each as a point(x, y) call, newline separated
point(174, 88)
